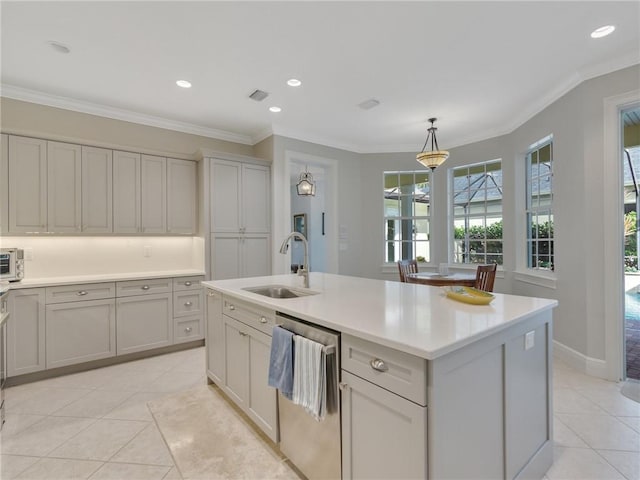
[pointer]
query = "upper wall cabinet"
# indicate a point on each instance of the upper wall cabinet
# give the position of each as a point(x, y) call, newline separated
point(64, 187)
point(27, 185)
point(97, 190)
point(181, 196)
point(154, 194)
point(126, 193)
point(4, 184)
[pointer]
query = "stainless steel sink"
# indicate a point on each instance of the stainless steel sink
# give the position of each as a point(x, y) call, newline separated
point(279, 291)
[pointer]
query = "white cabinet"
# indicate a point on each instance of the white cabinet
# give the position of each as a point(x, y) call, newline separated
point(126, 192)
point(4, 184)
point(26, 331)
point(64, 187)
point(154, 194)
point(97, 190)
point(143, 322)
point(188, 309)
point(240, 219)
point(28, 185)
point(181, 196)
point(215, 337)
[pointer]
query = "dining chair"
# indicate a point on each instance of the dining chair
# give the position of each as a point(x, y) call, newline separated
point(485, 276)
point(407, 266)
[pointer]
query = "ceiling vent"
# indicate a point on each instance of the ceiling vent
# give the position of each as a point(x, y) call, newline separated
point(369, 104)
point(258, 95)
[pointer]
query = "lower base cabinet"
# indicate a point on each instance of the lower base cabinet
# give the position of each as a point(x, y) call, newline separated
point(215, 337)
point(383, 434)
point(80, 332)
point(26, 332)
point(246, 363)
point(144, 322)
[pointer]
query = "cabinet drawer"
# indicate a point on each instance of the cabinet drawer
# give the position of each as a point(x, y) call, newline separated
point(187, 283)
point(76, 293)
point(187, 303)
point(399, 372)
point(187, 329)
point(256, 317)
point(143, 287)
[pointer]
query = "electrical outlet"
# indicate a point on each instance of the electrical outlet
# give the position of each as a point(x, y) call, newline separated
point(529, 340)
point(147, 250)
point(28, 253)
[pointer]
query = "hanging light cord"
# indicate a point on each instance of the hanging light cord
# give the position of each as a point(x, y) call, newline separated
point(432, 134)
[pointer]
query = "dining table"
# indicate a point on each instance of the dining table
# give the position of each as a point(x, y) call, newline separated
point(440, 280)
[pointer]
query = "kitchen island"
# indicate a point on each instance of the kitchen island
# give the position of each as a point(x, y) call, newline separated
point(465, 391)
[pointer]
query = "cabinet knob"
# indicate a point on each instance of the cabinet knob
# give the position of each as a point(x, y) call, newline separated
point(187, 304)
point(342, 385)
point(378, 365)
point(211, 294)
point(82, 293)
point(242, 334)
point(263, 319)
point(145, 287)
point(187, 284)
point(231, 307)
point(188, 330)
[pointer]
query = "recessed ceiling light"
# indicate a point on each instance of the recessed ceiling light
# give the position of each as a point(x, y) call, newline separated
point(603, 31)
point(275, 109)
point(294, 82)
point(59, 47)
point(183, 84)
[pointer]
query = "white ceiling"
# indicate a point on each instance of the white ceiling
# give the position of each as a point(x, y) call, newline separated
point(482, 68)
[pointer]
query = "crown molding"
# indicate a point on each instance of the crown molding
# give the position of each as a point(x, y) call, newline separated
point(307, 137)
point(66, 103)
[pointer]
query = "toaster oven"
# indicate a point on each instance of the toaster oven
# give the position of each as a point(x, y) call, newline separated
point(11, 264)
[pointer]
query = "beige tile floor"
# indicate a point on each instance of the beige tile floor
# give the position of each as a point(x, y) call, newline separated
point(97, 424)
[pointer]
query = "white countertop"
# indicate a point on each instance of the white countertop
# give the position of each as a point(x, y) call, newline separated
point(417, 319)
point(110, 277)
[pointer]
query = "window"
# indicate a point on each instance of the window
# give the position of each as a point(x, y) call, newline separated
point(407, 207)
point(476, 200)
point(539, 205)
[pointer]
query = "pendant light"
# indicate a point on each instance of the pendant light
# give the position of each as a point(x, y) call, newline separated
point(306, 186)
point(434, 157)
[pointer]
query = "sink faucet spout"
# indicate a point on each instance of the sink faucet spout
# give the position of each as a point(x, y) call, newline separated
point(304, 271)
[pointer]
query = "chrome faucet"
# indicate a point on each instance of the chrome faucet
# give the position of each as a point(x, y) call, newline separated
point(304, 271)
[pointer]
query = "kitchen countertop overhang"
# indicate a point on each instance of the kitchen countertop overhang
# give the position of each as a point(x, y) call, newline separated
point(416, 319)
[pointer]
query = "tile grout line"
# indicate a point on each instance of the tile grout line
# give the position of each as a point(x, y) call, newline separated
point(164, 440)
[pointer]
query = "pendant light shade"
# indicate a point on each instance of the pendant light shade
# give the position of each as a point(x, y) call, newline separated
point(306, 186)
point(435, 156)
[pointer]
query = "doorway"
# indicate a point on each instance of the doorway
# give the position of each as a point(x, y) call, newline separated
point(630, 123)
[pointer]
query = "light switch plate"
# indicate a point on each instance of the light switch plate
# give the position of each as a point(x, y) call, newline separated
point(529, 340)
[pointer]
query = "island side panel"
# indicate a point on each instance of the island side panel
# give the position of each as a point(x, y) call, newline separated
point(476, 424)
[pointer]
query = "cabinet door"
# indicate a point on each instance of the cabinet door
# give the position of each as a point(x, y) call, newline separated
point(215, 338)
point(28, 186)
point(80, 331)
point(64, 182)
point(261, 398)
point(187, 303)
point(225, 196)
point(255, 255)
point(256, 199)
point(154, 194)
point(143, 322)
point(126, 192)
point(236, 361)
point(181, 196)
point(225, 256)
point(97, 190)
point(26, 331)
point(383, 435)
point(4, 184)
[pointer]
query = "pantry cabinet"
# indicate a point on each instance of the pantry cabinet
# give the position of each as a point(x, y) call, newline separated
point(154, 194)
point(27, 185)
point(239, 255)
point(181, 196)
point(26, 332)
point(126, 192)
point(64, 187)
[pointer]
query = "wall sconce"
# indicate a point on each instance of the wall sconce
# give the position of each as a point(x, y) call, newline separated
point(306, 186)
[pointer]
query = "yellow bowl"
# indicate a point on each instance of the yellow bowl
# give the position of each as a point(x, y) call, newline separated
point(469, 295)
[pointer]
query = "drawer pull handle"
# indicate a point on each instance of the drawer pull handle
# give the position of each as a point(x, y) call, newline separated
point(188, 329)
point(145, 287)
point(378, 365)
point(263, 319)
point(82, 293)
point(343, 385)
point(242, 334)
point(187, 304)
point(231, 307)
point(211, 294)
point(187, 284)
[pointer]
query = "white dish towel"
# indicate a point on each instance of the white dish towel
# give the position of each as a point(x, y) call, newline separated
point(309, 376)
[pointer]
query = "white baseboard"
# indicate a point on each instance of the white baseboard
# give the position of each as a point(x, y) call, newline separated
point(587, 365)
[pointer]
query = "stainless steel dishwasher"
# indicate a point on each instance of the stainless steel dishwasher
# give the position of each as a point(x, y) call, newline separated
point(313, 446)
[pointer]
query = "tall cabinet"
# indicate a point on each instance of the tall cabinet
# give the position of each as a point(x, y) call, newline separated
point(240, 219)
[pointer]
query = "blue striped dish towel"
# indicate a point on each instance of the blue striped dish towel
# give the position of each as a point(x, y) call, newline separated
point(309, 376)
point(281, 361)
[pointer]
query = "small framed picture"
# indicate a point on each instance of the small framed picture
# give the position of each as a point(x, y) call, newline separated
point(300, 224)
